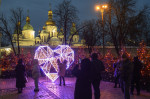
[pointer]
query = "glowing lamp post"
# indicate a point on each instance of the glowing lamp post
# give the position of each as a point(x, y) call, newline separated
point(101, 8)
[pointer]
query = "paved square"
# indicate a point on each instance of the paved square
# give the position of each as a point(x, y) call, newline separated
point(49, 90)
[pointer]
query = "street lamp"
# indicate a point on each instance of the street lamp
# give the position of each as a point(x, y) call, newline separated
point(101, 8)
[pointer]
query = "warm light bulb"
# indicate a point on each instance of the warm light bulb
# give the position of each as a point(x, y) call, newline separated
point(97, 8)
point(103, 6)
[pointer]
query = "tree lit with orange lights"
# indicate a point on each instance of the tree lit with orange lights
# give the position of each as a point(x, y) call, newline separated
point(109, 60)
point(142, 53)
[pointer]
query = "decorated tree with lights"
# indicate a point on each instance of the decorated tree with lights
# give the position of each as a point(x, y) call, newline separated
point(142, 51)
point(144, 57)
point(124, 51)
point(8, 62)
point(108, 61)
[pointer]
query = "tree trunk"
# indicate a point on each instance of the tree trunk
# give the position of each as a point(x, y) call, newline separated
point(18, 41)
point(12, 46)
point(65, 31)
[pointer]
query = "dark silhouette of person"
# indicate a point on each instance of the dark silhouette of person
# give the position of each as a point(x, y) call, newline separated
point(62, 70)
point(126, 69)
point(83, 84)
point(116, 73)
point(20, 76)
point(136, 75)
point(97, 67)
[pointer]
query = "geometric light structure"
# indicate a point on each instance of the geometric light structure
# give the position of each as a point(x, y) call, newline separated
point(64, 52)
point(48, 59)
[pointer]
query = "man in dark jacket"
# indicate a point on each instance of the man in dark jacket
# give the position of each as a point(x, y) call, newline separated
point(97, 67)
point(136, 75)
point(126, 69)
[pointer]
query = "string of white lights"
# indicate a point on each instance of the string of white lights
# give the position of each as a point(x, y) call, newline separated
point(48, 59)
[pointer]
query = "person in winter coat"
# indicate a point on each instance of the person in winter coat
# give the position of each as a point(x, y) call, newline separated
point(116, 73)
point(126, 69)
point(36, 74)
point(136, 75)
point(97, 67)
point(62, 70)
point(83, 83)
point(20, 76)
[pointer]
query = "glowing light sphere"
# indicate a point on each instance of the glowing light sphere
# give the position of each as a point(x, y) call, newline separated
point(48, 59)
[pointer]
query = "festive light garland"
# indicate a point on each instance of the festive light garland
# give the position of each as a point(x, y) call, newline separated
point(48, 59)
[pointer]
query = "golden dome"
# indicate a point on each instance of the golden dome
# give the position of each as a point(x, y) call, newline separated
point(44, 27)
point(61, 29)
point(39, 31)
point(27, 19)
point(50, 18)
point(27, 26)
point(73, 25)
point(49, 22)
point(50, 12)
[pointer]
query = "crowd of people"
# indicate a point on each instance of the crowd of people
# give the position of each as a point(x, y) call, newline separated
point(127, 74)
point(88, 73)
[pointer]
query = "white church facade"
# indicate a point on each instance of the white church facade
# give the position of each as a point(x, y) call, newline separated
point(49, 34)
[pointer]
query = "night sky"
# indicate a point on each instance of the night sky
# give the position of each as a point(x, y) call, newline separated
point(38, 9)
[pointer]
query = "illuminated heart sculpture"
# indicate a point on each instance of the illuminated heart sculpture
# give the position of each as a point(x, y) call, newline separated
point(48, 59)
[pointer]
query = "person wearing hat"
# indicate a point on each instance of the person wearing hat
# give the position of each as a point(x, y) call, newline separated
point(126, 69)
